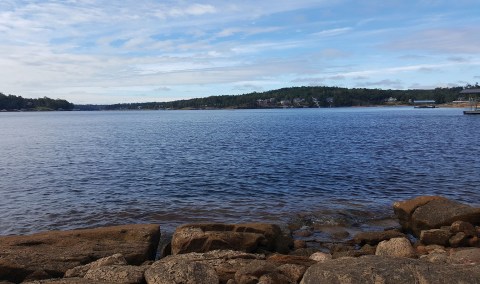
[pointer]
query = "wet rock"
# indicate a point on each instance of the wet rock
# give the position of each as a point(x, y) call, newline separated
point(404, 209)
point(181, 271)
point(321, 256)
point(396, 247)
point(381, 269)
point(242, 237)
point(127, 274)
point(458, 240)
point(57, 251)
point(298, 244)
point(442, 212)
point(303, 233)
point(464, 227)
point(373, 238)
point(80, 271)
point(435, 237)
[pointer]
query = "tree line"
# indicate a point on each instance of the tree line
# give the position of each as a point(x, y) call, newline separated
point(12, 103)
point(297, 97)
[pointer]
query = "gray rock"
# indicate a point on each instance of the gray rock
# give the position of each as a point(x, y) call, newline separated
point(396, 247)
point(380, 269)
point(127, 274)
point(57, 251)
point(181, 271)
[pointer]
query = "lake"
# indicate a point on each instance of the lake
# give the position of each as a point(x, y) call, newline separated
point(66, 170)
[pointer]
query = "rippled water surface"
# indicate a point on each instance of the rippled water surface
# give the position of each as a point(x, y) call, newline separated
point(64, 170)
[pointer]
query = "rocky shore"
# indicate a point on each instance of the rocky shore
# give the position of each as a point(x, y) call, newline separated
point(437, 241)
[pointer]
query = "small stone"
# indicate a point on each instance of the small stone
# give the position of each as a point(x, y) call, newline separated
point(473, 242)
point(436, 257)
point(321, 256)
point(435, 237)
point(458, 240)
point(303, 233)
point(462, 226)
point(293, 272)
point(373, 238)
point(396, 247)
point(368, 249)
point(435, 248)
point(298, 244)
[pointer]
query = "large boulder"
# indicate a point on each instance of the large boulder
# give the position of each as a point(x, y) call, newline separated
point(241, 237)
point(225, 262)
point(51, 254)
point(381, 269)
point(433, 212)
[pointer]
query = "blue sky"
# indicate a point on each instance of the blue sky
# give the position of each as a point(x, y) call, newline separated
point(89, 51)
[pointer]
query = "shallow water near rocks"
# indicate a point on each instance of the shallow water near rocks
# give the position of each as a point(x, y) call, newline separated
point(330, 167)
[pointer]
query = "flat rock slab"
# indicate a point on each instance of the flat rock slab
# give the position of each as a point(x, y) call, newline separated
point(50, 254)
point(249, 237)
point(380, 269)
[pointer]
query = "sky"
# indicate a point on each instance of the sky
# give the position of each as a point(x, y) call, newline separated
point(106, 51)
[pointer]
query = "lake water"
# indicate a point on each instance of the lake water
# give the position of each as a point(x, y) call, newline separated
point(65, 170)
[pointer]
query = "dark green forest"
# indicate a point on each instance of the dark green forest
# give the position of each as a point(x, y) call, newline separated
point(13, 103)
point(297, 97)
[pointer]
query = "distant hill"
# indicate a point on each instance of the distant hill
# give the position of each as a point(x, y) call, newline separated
point(14, 103)
point(298, 97)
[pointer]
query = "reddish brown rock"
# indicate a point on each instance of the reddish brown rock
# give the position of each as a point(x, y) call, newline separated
point(464, 227)
point(404, 209)
point(442, 212)
point(57, 251)
point(126, 274)
point(299, 244)
point(242, 237)
point(458, 240)
point(435, 237)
